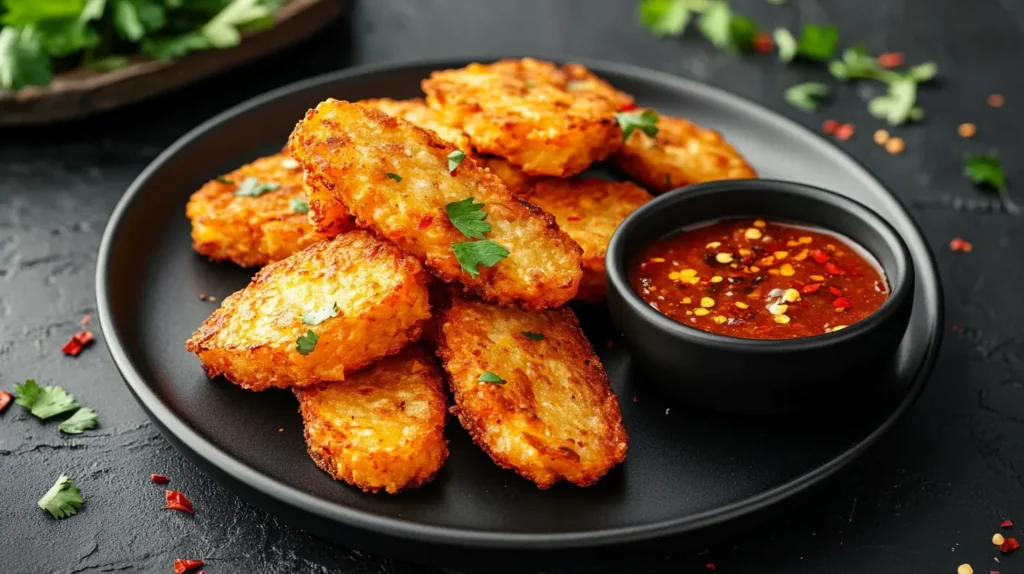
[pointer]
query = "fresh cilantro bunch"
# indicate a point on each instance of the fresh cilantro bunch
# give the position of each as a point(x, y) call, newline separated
point(724, 28)
point(39, 38)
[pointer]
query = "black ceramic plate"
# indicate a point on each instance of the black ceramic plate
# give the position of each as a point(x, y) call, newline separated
point(688, 471)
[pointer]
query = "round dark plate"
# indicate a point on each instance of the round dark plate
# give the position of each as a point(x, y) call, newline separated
point(688, 471)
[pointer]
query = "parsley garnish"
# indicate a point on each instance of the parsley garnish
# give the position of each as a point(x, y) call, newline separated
point(489, 377)
point(896, 105)
point(83, 419)
point(786, 44)
point(726, 29)
point(805, 96)
point(485, 252)
point(317, 316)
point(224, 179)
point(468, 218)
point(298, 205)
point(664, 17)
point(645, 121)
point(63, 499)
point(398, 178)
point(43, 402)
point(23, 62)
point(816, 43)
point(533, 336)
point(454, 159)
point(985, 170)
point(306, 343)
point(251, 187)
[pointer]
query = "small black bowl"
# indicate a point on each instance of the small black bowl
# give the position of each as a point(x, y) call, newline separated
point(760, 376)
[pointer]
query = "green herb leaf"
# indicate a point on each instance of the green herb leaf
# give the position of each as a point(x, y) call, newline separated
point(83, 420)
point(43, 402)
point(805, 96)
point(173, 47)
point(222, 31)
point(20, 13)
point(916, 114)
point(664, 17)
point(645, 121)
point(742, 31)
point(298, 205)
point(489, 377)
point(896, 105)
point(61, 38)
point(985, 171)
point(306, 343)
point(923, 72)
point(533, 336)
point(251, 187)
point(395, 177)
point(786, 44)
point(715, 24)
point(317, 316)
point(485, 252)
point(93, 10)
point(818, 43)
point(224, 179)
point(127, 22)
point(468, 218)
point(63, 499)
point(107, 64)
point(22, 59)
point(454, 159)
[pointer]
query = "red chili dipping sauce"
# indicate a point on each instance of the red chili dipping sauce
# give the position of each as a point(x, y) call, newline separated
point(759, 280)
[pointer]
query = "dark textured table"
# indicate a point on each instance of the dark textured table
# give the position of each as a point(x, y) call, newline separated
point(928, 499)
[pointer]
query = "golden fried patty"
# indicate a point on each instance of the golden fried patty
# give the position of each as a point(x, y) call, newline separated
point(681, 153)
point(361, 297)
point(514, 178)
point(555, 416)
point(254, 230)
point(358, 154)
point(589, 210)
point(524, 111)
point(417, 113)
point(383, 427)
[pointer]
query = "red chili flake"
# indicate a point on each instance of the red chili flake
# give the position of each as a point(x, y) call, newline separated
point(573, 218)
point(627, 106)
point(810, 288)
point(181, 565)
point(85, 319)
point(1009, 545)
point(820, 256)
point(425, 222)
point(763, 43)
point(710, 566)
point(178, 501)
point(158, 479)
point(891, 60)
point(1005, 523)
point(77, 342)
point(829, 127)
point(842, 303)
point(960, 244)
point(835, 290)
point(5, 399)
point(844, 132)
point(833, 269)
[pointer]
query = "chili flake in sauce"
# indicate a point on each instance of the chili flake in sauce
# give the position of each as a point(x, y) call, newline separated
point(759, 280)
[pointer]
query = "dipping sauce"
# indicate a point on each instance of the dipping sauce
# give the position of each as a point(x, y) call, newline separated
point(759, 280)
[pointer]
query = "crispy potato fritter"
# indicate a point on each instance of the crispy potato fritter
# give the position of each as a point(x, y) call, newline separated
point(417, 113)
point(383, 427)
point(530, 112)
point(555, 416)
point(515, 179)
point(251, 231)
point(368, 300)
point(681, 153)
point(356, 153)
point(589, 210)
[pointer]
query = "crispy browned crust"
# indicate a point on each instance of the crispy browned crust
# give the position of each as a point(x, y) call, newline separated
point(515, 179)
point(349, 150)
point(581, 79)
point(539, 116)
point(382, 302)
point(383, 427)
point(251, 231)
point(589, 210)
point(681, 153)
point(417, 113)
point(556, 417)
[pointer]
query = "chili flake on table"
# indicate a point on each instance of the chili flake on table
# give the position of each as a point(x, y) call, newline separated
point(758, 280)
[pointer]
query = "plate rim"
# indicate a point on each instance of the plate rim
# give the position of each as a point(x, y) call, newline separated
point(212, 456)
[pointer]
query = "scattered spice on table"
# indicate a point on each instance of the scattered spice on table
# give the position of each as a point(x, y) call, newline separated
point(891, 60)
point(77, 342)
point(828, 127)
point(763, 43)
point(960, 244)
point(178, 501)
point(844, 132)
point(1009, 545)
point(85, 319)
point(996, 101)
point(205, 297)
point(1006, 524)
point(5, 399)
point(182, 565)
point(998, 539)
point(895, 146)
point(881, 136)
point(710, 566)
point(158, 479)
point(964, 569)
point(967, 130)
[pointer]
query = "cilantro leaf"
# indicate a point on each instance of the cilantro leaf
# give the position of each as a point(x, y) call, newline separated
point(645, 121)
point(317, 316)
point(22, 59)
point(533, 336)
point(83, 419)
point(127, 22)
point(714, 24)
point(786, 43)
point(489, 377)
point(251, 187)
point(664, 17)
point(63, 499)
point(306, 343)
point(222, 31)
point(986, 171)
point(485, 252)
point(173, 47)
point(22, 13)
point(395, 177)
point(468, 218)
point(298, 205)
point(43, 402)
point(93, 10)
point(805, 96)
point(454, 159)
point(742, 31)
point(60, 38)
point(896, 105)
point(223, 179)
point(923, 72)
point(818, 43)
point(857, 64)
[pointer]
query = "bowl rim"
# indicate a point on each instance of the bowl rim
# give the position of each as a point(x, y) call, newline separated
point(901, 283)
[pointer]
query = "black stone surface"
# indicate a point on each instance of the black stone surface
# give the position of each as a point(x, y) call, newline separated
point(928, 499)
